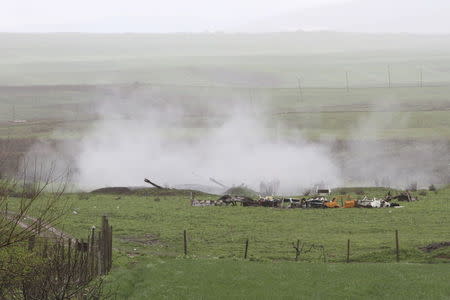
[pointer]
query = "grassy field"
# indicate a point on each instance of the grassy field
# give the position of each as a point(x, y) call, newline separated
point(149, 261)
point(62, 77)
point(419, 113)
point(58, 83)
point(154, 224)
point(233, 279)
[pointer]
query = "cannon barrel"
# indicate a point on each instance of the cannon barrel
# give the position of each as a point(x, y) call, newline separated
point(218, 183)
point(154, 184)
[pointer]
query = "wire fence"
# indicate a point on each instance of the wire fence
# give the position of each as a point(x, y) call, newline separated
point(193, 244)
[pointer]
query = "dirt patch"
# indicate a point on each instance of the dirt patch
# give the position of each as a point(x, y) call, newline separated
point(148, 239)
point(435, 246)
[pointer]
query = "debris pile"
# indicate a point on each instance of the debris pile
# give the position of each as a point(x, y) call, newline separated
point(405, 196)
point(312, 202)
point(225, 201)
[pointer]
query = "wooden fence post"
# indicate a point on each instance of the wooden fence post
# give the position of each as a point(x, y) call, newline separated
point(397, 246)
point(31, 242)
point(297, 250)
point(348, 250)
point(100, 253)
point(105, 257)
point(185, 242)
point(246, 249)
point(92, 254)
point(110, 249)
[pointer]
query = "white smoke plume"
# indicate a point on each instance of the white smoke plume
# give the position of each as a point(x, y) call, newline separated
point(134, 140)
point(183, 140)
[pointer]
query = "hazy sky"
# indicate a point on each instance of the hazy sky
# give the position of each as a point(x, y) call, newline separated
point(413, 16)
point(141, 15)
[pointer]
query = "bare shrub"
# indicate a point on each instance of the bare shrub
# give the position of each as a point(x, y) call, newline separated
point(47, 271)
point(32, 267)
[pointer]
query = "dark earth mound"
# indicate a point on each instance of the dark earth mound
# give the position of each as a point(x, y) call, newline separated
point(435, 246)
point(113, 190)
point(145, 191)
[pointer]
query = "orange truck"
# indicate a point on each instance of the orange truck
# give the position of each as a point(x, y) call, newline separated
point(350, 203)
point(346, 201)
point(332, 204)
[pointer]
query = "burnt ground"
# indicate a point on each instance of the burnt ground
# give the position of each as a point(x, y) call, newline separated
point(435, 246)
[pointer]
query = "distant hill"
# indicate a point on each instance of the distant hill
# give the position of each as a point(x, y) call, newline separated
point(371, 16)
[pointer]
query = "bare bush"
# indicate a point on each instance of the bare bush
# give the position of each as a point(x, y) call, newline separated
point(33, 265)
point(48, 271)
point(34, 193)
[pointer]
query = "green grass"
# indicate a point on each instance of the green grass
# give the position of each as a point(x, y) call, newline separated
point(233, 279)
point(143, 227)
point(149, 261)
point(62, 112)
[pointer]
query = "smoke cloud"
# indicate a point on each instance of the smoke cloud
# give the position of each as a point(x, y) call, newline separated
point(184, 140)
point(137, 140)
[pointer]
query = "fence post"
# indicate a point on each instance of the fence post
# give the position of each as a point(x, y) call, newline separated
point(31, 242)
point(397, 247)
point(92, 253)
point(105, 245)
point(297, 250)
point(185, 242)
point(100, 253)
point(246, 249)
point(110, 248)
point(348, 250)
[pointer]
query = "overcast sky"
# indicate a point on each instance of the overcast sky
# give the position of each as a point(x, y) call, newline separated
point(142, 15)
point(412, 16)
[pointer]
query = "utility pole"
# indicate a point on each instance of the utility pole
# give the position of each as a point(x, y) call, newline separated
point(389, 76)
point(251, 101)
point(346, 81)
point(421, 78)
point(300, 90)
